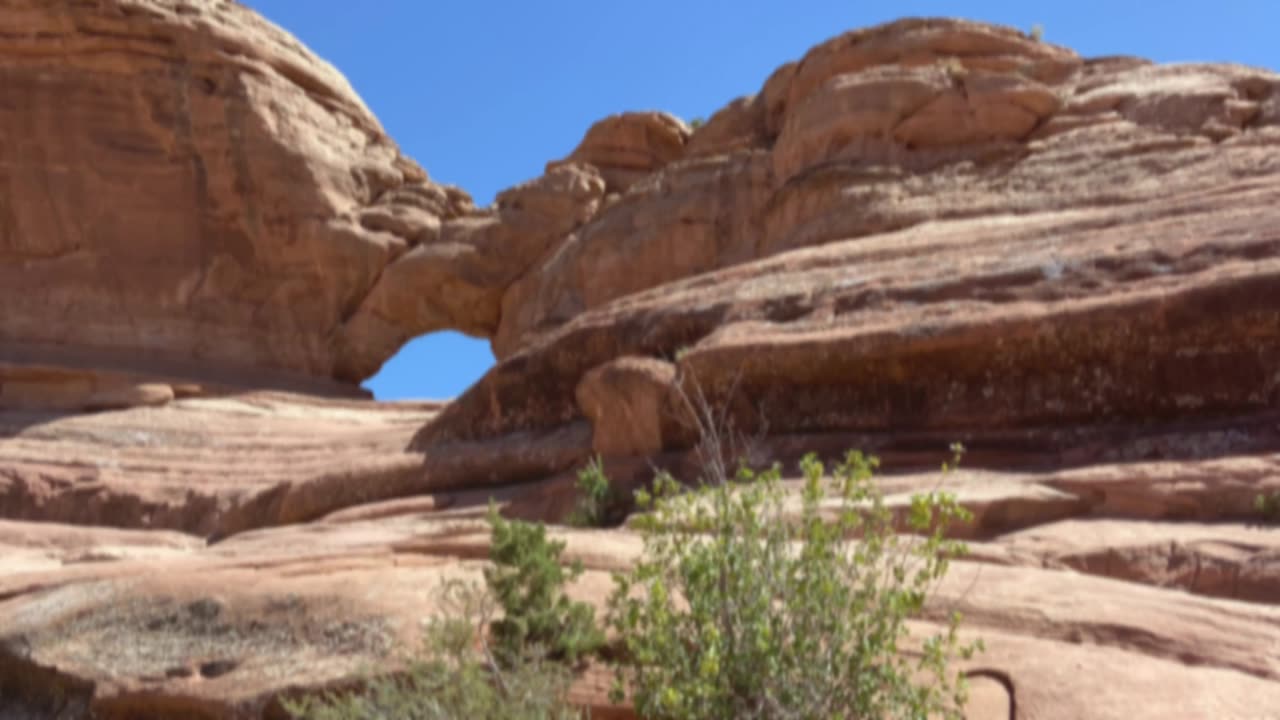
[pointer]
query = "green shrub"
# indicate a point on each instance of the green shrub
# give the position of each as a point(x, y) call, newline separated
point(527, 580)
point(598, 504)
point(519, 669)
point(739, 610)
point(1268, 506)
point(697, 122)
point(1037, 32)
point(452, 680)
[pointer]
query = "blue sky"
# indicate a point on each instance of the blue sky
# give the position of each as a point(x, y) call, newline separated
point(482, 94)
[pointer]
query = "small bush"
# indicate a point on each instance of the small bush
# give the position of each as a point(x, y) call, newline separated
point(598, 504)
point(1268, 507)
point(697, 122)
point(520, 668)
point(456, 677)
point(1037, 32)
point(527, 580)
point(737, 610)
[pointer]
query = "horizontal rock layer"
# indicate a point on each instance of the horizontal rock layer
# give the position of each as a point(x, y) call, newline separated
point(167, 627)
point(186, 182)
point(925, 232)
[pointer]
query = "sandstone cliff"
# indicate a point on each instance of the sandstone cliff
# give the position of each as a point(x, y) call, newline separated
point(925, 232)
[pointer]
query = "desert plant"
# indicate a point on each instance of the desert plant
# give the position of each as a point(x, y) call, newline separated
point(527, 579)
point(1037, 32)
point(475, 664)
point(598, 504)
point(1268, 507)
point(697, 122)
point(740, 609)
point(455, 677)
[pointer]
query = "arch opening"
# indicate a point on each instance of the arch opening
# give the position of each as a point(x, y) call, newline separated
point(435, 366)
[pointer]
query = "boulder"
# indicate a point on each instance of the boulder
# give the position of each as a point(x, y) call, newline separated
point(629, 146)
point(628, 402)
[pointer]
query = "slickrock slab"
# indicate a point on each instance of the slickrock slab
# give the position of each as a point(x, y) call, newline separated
point(1235, 561)
point(208, 466)
point(221, 632)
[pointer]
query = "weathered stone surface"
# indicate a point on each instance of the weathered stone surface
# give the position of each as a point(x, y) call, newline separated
point(26, 387)
point(923, 42)
point(258, 141)
point(1050, 605)
point(221, 632)
point(221, 465)
point(1065, 678)
point(740, 125)
point(683, 222)
point(41, 547)
point(924, 232)
point(892, 109)
point(1065, 264)
point(914, 123)
point(209, 466)
point(457, 280)
point(1158, 309)
point(127, 396)
point(628, 402)
point(629, 146)
point(189, 183)
point(1221, 488)
point(1223, 560)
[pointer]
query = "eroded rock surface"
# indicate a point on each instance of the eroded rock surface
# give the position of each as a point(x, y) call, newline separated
point(920, 233)
point(458, 280)
point(208, 466)
point(223, 631)
point(191, 184)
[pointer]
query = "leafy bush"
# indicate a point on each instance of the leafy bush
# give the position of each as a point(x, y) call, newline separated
point(697, 122)
point(738, 611)
point(456, 677)
point(1268, 506)
point(527, 580)
point(519, 669)
point(598, 504)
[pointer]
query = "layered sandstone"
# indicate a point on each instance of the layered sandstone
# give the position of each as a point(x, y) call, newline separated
point(184, 184)
point(920, 233)
point(169, 629)
point(1113, 261)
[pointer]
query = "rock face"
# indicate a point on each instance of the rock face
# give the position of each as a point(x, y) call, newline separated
point(920, 233)
point(473, 262)
point(1113, 261)
point(164, 628)
point(191, 185)
point(209, 466)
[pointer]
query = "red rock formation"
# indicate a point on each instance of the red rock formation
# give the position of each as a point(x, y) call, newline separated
point(1113, 261)
point(272, 198)
point(220, 632)
point(918, 233)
